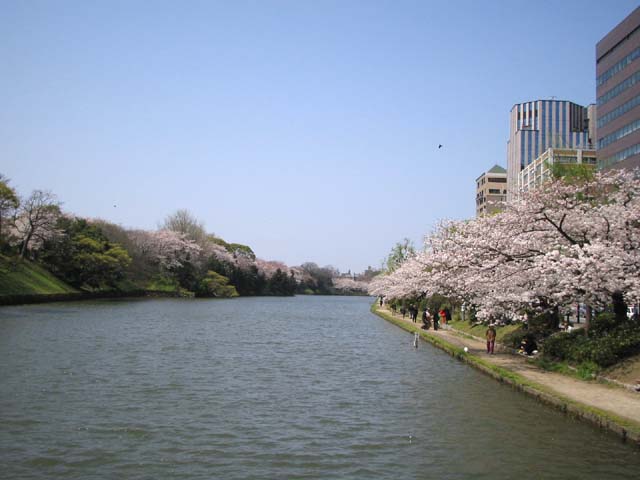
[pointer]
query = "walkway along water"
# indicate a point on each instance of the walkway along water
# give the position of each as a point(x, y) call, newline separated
point(607, 406)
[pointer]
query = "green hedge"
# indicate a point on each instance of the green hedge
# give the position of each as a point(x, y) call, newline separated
point(606, 345)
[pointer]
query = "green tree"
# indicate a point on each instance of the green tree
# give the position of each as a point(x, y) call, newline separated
point(9, 202)
point(281, 284)
point(399, 253)
point(82, 256)
point(216, 285)
point(573, 172)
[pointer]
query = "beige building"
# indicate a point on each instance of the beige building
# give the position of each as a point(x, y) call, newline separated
point(539, 171)
point(491, 188)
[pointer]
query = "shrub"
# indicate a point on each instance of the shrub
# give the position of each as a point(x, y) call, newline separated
point(603, 323)
point(515, 338)
point(605, 346)
point(560, 346)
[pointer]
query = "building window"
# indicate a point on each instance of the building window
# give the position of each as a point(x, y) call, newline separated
point(618, 134)
point(618, 67)
point(619, 88)
point(617, 112)
point(621, 155)
point(566, 159)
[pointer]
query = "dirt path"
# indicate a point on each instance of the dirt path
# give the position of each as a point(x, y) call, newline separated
point(616, 400)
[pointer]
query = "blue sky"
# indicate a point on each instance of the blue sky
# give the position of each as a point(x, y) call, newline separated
point(305, 129)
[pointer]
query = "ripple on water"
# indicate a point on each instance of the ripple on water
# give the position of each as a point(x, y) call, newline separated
point(266, 388)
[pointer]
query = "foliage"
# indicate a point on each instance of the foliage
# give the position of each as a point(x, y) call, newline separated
point(574, 240)
point(216, 285)
point(349, 286)
point(83, 257)
point(318, 279)
point(514, 338)
point(9, 202)
point(573, 172)
point(178, 258)
point(604, 347)
point(280, 284)
point(184, 223)
point(162, 283)
point(399, 254)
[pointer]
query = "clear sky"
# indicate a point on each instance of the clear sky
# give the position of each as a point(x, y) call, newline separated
point(308, 130)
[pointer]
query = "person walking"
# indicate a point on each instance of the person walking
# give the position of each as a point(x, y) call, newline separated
point(491, 339)
point(443, 316)
point(436, 324)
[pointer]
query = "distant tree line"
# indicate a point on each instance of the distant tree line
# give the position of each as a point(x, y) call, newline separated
point(179, 257)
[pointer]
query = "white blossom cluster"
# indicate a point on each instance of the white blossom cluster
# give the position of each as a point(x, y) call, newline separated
point(564, 243)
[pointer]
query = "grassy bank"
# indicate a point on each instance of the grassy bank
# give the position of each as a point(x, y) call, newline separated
point(22, 277)
point(24, 282)
point(480, 330)
point(626, 429)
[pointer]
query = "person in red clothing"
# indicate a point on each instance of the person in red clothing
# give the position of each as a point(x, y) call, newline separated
point(443, 316)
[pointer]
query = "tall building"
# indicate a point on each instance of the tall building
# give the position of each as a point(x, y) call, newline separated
point(618, 94)
point(542, 124)
point(491, 188)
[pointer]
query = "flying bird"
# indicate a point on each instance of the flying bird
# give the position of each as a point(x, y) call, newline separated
point(440, 146)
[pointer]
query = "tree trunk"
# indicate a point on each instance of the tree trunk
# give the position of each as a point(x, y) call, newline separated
point(619, 306)
point(25, 243)
point(587, 320)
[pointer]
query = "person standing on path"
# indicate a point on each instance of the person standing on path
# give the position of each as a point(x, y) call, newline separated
point(491, 339)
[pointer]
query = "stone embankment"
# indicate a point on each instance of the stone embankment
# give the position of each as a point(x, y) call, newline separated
point(608, 406)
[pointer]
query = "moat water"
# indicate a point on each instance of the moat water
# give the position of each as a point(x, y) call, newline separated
point(266, 388)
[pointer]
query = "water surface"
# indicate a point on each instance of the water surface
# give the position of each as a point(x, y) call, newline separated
point(266, 388)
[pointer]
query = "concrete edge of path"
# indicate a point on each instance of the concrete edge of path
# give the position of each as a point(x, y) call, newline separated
point(625, 429)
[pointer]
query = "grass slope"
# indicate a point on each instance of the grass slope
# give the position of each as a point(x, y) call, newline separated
point(480, 330)
point(22, 277)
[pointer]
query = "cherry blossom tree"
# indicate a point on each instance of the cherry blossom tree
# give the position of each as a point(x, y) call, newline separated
point(36, 220)
point(349, 285)
point(568, 242)
point(166, 248)
point(269, 267)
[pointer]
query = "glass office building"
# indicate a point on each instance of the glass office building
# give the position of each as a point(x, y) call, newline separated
point(542, 124)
